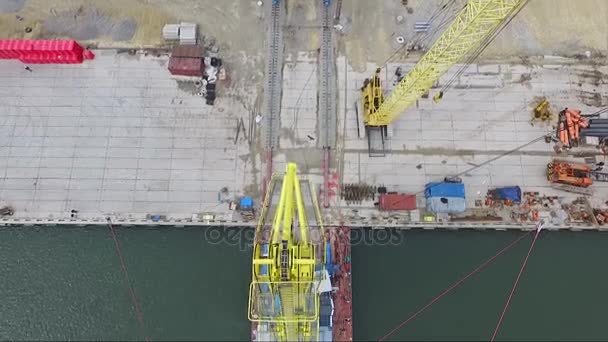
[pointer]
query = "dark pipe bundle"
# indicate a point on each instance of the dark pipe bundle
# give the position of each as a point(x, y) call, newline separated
point(597, 128)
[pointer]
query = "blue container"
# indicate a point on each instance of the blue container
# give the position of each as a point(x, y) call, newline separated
point(246, 203)
point(512, 193)
point(325, 310)
point(450, 205)
point(327, 253)
point(443, 189)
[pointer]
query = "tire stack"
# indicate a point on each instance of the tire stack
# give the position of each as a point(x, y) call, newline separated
point(210, 97)
point(211, 72)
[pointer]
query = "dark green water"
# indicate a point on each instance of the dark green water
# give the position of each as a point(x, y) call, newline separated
point(561, 296)
point(66, 283)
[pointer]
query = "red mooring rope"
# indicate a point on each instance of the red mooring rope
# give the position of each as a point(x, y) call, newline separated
point(521, 271)
point(123, 265)
point(454, 285)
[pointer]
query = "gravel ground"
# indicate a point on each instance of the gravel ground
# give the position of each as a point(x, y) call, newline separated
point(544, 27)
point(10, 6)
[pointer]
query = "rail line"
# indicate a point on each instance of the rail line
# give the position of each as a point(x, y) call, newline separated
point(327, 94)
point(274, 68)
point(327, 97)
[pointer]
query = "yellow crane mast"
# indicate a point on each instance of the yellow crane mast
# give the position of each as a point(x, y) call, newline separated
point(475, 23)
point(287, 262)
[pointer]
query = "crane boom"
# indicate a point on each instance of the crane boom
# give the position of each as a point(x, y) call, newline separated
point(477, 21)
point(283, 294)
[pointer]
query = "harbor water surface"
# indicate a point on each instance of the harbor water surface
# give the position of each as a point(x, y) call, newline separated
point(63, 283)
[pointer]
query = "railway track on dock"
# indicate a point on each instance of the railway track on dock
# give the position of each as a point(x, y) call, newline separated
point(327, 92)
point(327, 119)
point(274, 66)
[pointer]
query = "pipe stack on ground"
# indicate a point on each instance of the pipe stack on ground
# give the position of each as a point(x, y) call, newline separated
point(569, 126)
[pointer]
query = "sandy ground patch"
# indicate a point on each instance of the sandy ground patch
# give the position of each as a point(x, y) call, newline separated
point(559, 27)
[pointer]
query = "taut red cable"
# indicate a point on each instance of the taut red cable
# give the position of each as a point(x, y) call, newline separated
point(136, 306)
point(521, 270)
point(454, 285)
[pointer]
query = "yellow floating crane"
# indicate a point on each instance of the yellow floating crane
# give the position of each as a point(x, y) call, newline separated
point(474, 26)
point(288, 261)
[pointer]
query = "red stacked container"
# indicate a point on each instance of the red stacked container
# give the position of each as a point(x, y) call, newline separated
point(7, 49)
point(22, 47)
point(43, 51)
point(187, 60)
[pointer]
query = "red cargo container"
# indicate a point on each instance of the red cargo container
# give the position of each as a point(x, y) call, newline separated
point(186, 66)
point(397, 202)
point(8, 49)
point(43, 51)
point(188, 51)
point(51, 58)
point(57, 46)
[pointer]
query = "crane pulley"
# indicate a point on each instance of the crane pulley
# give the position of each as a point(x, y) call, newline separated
point(471, 28)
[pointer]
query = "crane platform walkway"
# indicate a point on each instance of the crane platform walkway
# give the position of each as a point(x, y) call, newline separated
point(269, 208)
point(288, 259)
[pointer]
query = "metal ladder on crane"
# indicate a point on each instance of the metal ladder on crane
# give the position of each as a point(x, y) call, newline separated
point(284, 262)
point(287, 306)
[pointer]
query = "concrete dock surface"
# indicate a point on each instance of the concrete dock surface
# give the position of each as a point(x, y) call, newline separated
point(118, 137)
point(114, 137)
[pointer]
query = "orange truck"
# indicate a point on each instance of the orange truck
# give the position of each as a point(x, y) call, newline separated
point(569, 173)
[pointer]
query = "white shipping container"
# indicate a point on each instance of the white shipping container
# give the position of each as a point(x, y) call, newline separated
point(187, 33)
point(171, 31)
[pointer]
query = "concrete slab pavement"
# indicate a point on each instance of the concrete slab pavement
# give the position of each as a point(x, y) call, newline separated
point(115, 136)
point(486, 115)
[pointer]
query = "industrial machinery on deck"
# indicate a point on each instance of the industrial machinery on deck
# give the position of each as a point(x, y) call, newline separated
point(288, 259)
point(569, 173)
point(472, 29)
point(574, 177)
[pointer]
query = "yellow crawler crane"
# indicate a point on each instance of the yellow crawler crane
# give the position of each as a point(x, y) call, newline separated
point(473, 26)
point(283, 296)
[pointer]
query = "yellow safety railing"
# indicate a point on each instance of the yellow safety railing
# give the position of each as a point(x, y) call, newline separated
point(283, 291)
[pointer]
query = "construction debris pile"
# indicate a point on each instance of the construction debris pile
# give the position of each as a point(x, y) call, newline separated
point(505, 195)
point(535, 207)
point(579, 211)
point(188, 63)
point(212, 66)
point(244, 206)
point(601, 216)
